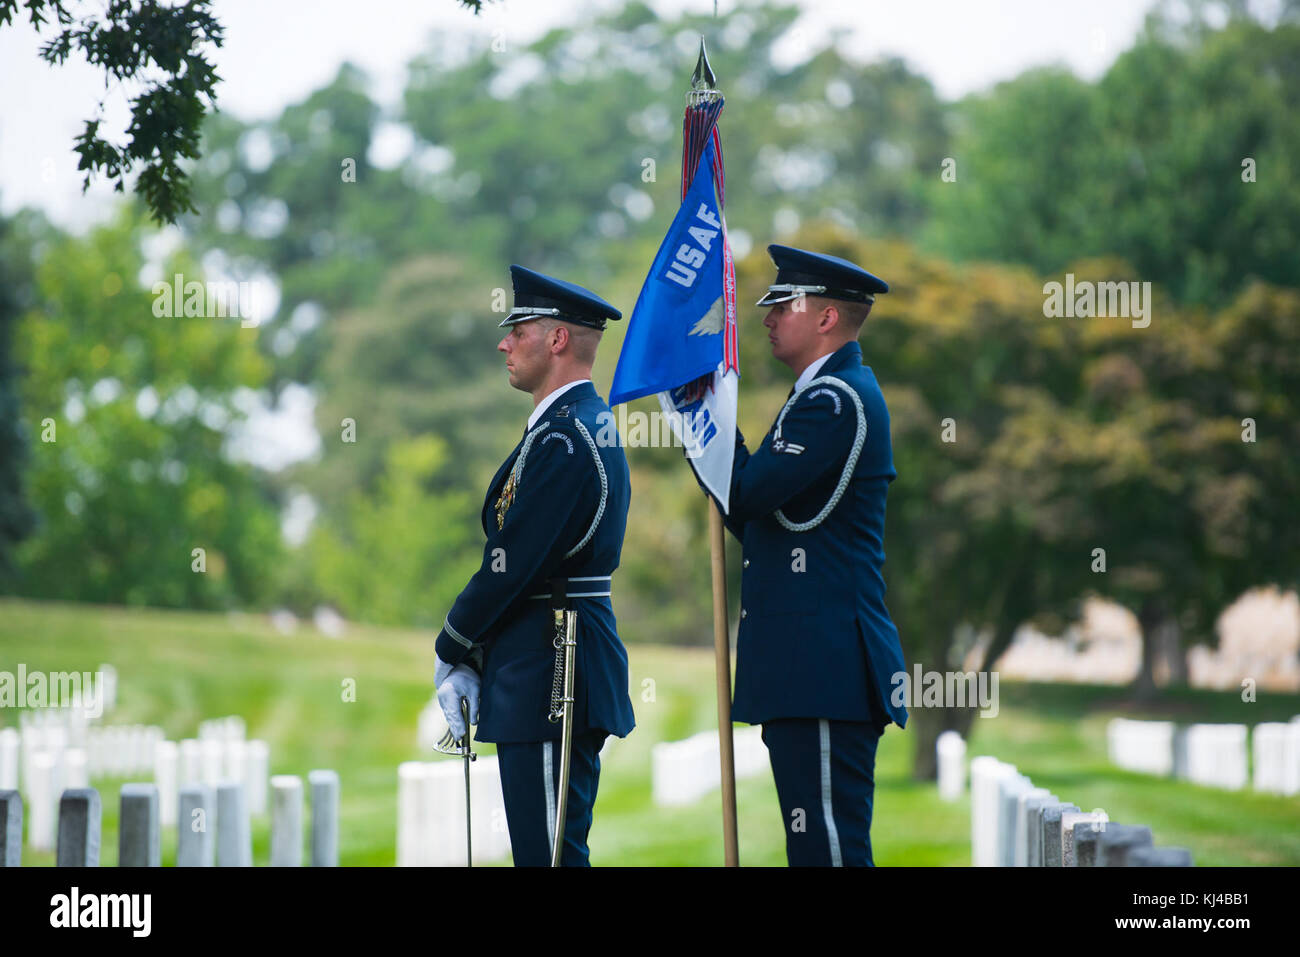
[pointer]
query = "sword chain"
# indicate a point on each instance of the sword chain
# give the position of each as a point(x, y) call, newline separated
point(557, 681)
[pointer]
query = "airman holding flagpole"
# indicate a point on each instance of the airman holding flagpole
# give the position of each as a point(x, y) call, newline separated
point(817, 650)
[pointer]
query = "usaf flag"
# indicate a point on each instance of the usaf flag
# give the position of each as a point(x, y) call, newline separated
point(681, 338)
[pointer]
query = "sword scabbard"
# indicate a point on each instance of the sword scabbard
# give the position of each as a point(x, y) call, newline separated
point(562, 700)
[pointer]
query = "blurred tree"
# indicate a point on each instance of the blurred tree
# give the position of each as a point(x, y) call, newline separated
point(1179, 161)
point(18, 235)
point(137, 41)
point(562, 154)
point(420, 360)
point(401, 555)
point(128, 412)
point(579, 134)
point(299, 198)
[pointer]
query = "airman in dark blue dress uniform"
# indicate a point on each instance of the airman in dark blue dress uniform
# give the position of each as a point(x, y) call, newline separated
point(557, 508)
point(817, 649)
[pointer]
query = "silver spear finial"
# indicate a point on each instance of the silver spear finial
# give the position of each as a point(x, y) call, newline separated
point(703, 78)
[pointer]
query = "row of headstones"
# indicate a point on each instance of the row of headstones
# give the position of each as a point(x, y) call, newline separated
point(117, 750)
point(211, 761)
point(230, 728)
point(1210, 754)
point(682, 772)
point(69, 726)
point(112, 750)
point(174, 766)
point(139, 825)
point(431, 813)
point(1014, 824)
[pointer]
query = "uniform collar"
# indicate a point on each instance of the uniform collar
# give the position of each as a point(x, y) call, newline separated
point(810, 373)
point(829, 363)
point(579, 393)
point(847, 355)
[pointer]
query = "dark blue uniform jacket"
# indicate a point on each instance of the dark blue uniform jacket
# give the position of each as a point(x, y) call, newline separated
point(815, 638)
point(555, 500)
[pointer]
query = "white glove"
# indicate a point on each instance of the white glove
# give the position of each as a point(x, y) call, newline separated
point(440, 671)
point(461, 682)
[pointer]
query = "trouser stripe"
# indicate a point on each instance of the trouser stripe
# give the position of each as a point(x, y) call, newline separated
point(824, 729)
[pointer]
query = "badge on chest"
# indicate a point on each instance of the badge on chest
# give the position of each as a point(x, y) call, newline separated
point(506, 498)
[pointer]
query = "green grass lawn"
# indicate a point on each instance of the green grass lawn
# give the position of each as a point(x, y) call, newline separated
point(178, 668)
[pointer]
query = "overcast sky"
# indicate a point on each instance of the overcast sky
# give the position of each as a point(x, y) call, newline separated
point(277, 51)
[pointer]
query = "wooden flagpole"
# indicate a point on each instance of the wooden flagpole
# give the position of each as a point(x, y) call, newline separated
point(704, 89)
point(722, 665)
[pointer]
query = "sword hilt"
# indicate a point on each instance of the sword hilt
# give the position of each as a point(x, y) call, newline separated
point(464, 715)
point(458, 747)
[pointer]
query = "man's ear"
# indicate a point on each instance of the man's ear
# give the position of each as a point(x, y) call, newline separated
point(561, 338)
point(829, 317)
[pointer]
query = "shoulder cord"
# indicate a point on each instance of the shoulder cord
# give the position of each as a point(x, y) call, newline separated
point(518, 471)
point(849, 465)
point(604, 491)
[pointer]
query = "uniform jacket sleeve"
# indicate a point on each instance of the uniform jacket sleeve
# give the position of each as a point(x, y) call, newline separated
point(558, 486)
point(816, 435)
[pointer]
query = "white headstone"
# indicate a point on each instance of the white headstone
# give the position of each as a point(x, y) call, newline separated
point(985, 773)
point(491, 835)
point(683, 771)
point(234, 757)
point(1021, 836)
point(75, 773)
point(1145, 746)
point(950, 754)
point(1216, 755)
point(107, 687)
point(409, 820)
point(1010, 789)
point(113, 748)
point(139, 750)
point(191, 765)
point(10, 748)
point(212, 753)
point(166, 760)
point(443, 812)
point(1277, 757)
point(257, 768)
point(41, 802)
point(286, 820)
point(750, 752)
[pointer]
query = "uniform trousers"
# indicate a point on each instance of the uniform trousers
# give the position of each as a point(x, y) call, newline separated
point(825, 780)
point(530, 779)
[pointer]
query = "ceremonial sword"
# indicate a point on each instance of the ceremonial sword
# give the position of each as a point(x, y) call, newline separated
point(565, 642)
point(460, 747)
